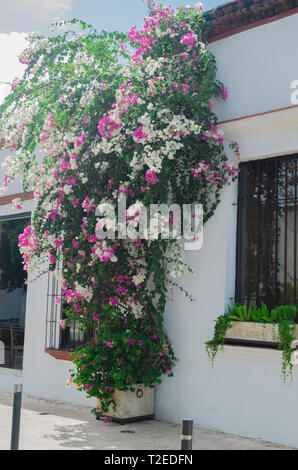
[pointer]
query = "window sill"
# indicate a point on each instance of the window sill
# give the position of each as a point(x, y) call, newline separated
point(251, 332)
point(59, 354)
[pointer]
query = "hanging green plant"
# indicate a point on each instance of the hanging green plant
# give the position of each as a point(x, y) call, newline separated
point(283, 316)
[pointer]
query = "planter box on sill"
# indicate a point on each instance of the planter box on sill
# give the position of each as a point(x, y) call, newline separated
point(254, 332)
point(132, 406)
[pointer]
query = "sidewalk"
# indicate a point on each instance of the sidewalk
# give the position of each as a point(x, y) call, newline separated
point(56, 426)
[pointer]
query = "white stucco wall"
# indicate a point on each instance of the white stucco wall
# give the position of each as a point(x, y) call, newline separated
point(258, 67)
point(244, 394)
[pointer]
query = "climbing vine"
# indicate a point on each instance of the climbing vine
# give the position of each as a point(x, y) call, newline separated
point(100, 115)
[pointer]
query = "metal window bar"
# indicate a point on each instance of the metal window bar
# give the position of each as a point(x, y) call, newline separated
point(266, 258)
point(53, 314)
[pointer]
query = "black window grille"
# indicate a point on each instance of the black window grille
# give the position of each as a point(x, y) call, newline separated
point(266, 263)
point(56, 337)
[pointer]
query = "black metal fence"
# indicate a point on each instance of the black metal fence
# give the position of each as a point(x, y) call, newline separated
point(266, 265)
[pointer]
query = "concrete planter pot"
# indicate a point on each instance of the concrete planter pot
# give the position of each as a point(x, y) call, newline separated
point(254, 332)
point(132, 406)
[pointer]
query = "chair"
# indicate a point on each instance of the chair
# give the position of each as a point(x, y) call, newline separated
point(14, 347)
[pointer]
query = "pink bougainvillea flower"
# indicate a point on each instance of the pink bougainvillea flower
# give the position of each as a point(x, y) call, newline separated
point(95, 316)
point(114, 301)
point(109, 125)
point(81, 140)
point(151, 177)
point(189, 39)
point(139, 135)
point(75, 244)
point(224, 92)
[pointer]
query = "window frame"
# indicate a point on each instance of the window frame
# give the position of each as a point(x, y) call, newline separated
point(56, 338)
point(8, 218)
point(242, 234)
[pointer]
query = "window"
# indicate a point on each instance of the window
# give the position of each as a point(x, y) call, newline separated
point(57, 338)
point(13, 291)
point(266, 266)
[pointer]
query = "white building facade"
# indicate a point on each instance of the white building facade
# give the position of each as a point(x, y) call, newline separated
point(244, 393)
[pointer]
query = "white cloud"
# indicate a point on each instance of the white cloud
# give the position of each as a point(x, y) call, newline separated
point(40, 9)
point(11, 45)
point(22, 15)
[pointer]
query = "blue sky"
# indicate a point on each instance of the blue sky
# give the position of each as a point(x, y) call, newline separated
point(122, 14)
point(36, 15)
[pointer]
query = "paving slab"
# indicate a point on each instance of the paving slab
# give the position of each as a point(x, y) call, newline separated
point(47, 425)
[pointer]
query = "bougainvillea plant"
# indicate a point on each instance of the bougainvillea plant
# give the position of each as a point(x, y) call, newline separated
point(98, 115)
